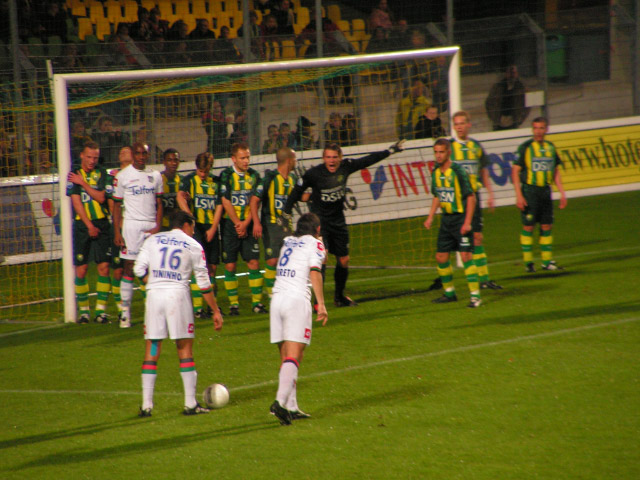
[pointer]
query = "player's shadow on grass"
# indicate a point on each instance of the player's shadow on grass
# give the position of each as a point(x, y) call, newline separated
point(137, 448)
point(555, 315)
point(388, 295)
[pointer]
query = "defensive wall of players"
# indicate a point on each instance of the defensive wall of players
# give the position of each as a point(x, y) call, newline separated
point(599, 157)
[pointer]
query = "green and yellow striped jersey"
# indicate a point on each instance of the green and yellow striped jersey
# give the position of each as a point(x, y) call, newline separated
point(238, 189)
point(472, 157)
point(170, 189)
point(538, 162)
point(452, 188)
point(273, 192)
point(204, 196)
point(97, 178)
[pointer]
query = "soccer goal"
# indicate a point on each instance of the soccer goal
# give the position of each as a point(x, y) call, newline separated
point(354, 99)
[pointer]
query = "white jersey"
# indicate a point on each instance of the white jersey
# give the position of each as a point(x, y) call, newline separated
point(298, 256)
point(169, 258)
point(138, 190)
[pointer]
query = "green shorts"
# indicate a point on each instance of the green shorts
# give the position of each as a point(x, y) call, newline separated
point(272, 238)
point(449, 237)
point(248, 247)
point(212, 248)
point(85, 248)
point(539, 207)
point(476, 221)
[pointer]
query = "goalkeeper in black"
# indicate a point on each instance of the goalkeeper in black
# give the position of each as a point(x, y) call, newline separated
point(328, 183)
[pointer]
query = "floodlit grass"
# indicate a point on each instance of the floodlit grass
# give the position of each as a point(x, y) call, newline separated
point(541, 382)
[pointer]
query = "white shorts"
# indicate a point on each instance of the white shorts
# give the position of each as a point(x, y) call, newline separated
point(168, 313)
point(290, 319)
point(134, 233)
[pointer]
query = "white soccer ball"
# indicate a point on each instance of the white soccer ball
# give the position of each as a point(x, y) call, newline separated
point(215, 395)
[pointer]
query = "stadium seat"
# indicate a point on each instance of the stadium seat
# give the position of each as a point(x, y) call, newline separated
point(334, 13)
point(181, 8)
point(103, 28)
point(114, 12)
point(149, 4)
point(96, 11)
point(78, 10)
point(85, 27)
point(231, 6)
point(189, 19)
point(302, 17)
point(54, 46)
point(166, 9)
point(358, 28)
point(130, 11)
point(344, 26)
point(288, 50)
point(223, 19)
point(200, 8)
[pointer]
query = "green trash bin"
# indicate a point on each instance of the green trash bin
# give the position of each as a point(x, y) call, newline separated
point(556, 56)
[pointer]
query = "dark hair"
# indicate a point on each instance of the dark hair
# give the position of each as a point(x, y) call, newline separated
point(169, 151)
point(307, 225)
point(443, 141)
point(204, 160)
point(333, 146)
point(541, 120)
point(179, 217)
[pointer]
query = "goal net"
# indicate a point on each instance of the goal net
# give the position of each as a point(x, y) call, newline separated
point(362, 102)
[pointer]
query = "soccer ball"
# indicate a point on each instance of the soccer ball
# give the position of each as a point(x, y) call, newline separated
point(215, 395)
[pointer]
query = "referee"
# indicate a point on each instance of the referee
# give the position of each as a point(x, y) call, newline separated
point(328, 183)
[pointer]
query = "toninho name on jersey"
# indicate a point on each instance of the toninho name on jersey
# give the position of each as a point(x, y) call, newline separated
point(167, 274)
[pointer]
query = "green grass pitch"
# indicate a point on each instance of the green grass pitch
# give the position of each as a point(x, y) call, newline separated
point(541, 382)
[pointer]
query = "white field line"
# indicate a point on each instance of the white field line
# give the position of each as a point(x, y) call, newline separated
point(382, 363)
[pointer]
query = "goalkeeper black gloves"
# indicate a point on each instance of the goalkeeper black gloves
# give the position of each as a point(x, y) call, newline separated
point(397, 147)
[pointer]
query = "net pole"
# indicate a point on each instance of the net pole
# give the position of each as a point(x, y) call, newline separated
point(455, 100)
point(64, 167)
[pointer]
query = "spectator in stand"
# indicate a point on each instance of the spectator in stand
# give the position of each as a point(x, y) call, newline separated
point(399, 37)
point(110, 140)
point(304, 136)
point(335, 44)
point(429, 125)
point(177, 46)
point(505, 104)
point(224, 48)
point(349, 130)
point(378, 42)
point(380, 17)
point(257, 41)
point(213, 121)
point(410, 109)
point(269, 34)
point(240, 128)
point(201, 42)
point(70, 62)
point(159, 28)
point(140, 31)
point(271, 144)
point(202, 30)
point(52, 22)
point(438, 82)
point(333, 129)
point(264, 5)
point(78, 138)
point(283, 13)
point(125, 52)
point(286, 138)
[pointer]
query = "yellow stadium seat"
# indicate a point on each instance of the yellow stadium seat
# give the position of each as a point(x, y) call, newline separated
point(166, 9)
point(288, 50)
point(302, 17)
point(230, 5)
point(78, 10)
point(103, 29)
point(199, 8)
point(130, 11)
point(181, 8)
point(96, 11)
point(190, 20)
point(148, 4)
point(344, 27)
point(334, 13)
point(114, 11)
point(85, 27)
point(358, 27)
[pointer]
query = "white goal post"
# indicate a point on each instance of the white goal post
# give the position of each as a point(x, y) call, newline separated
point(62, 82)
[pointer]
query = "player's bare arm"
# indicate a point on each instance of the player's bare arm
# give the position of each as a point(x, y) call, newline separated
point(77, 179)
point(80, 211)
point(117, 224)
point(316, 284)
point(521, 203)
point(257, 226)
point(486, 181)
point(471, 206)
point(217, 316)
point(183, 201)
point(434, 207)
point(557, 179)
point(217, 216)
point(159, 214)
point(240, 226)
